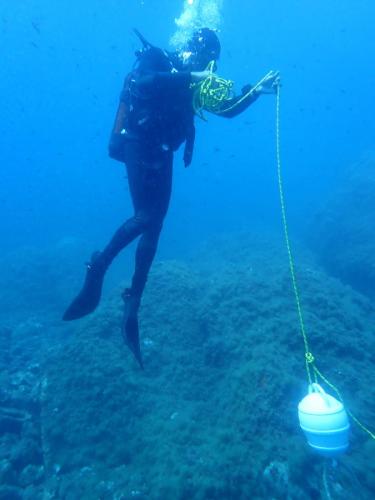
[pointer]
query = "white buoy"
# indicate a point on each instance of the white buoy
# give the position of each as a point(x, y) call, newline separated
point(324, 421)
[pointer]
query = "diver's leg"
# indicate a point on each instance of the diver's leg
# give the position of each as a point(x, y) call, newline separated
point(157, 195)
point(145, 254)
point(88, 298)
point(137, 166)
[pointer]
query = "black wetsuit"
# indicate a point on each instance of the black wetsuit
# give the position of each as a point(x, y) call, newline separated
point(150, 182)
point(167, 120)
point(155, 117)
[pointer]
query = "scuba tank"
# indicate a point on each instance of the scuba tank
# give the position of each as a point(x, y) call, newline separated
point(119, 133)
point(127, 122)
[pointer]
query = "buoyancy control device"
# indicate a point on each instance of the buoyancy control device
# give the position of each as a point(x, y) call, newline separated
point(132, 110)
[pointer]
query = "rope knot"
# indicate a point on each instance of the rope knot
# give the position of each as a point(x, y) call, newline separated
point(309, 358)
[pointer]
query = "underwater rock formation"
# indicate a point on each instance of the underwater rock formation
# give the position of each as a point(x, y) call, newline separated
point(214, 413)
point(35, 281)
point(342, 233)
point(21, 449)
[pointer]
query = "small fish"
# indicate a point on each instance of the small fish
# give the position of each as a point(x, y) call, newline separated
point(36, 27)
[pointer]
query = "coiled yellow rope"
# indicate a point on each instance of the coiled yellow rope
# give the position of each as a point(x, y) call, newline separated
point(210, 93)
point(213, 91)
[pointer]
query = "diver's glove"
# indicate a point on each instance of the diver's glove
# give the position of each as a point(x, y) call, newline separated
point(189, 145)
point(188, 156)
point(270, 83)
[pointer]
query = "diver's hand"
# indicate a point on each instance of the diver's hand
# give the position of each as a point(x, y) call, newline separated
point(270, 83)
point(198, 76)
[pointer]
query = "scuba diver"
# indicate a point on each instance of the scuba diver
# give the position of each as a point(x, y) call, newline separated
point(158, 103)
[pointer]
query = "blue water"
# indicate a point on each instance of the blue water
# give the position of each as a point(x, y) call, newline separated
point(62, 69)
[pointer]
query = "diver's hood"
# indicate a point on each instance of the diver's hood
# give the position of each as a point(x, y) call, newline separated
point(202, 48)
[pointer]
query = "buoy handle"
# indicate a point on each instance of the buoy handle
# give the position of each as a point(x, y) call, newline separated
point(314, 387)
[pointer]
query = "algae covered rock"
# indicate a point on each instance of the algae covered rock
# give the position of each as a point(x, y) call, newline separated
point(214, 413)
point(342, 233)
point(36, 280)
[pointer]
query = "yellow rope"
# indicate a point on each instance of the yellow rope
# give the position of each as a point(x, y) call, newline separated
point(245, 96)
point(309, 358)
point(353, 417)
point(210, 93)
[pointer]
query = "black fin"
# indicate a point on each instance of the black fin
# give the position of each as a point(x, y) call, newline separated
point(88, 298)
point(129, 326)
point(131, 337)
